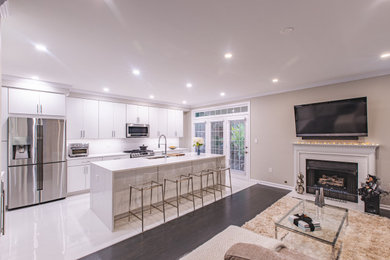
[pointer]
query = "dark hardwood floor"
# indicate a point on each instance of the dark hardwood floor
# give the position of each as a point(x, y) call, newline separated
point(180, 236)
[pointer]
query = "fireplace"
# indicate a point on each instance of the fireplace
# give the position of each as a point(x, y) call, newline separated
point(339, 179)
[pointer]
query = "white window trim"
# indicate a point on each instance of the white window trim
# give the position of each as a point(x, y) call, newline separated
point(226, 118)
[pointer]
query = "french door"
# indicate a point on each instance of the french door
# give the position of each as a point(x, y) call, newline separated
point(228, 136)
point(238, 148)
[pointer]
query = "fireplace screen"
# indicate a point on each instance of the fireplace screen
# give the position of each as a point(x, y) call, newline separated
point(339, 179)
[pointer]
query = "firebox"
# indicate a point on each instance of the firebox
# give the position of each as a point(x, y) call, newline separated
point(339, 179)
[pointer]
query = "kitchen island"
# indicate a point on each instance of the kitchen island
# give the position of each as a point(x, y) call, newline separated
point(110, 181)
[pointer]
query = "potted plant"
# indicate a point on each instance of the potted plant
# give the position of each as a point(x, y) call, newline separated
point(198, 142)
point(371, 193)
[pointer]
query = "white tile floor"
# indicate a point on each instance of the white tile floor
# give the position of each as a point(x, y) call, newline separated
point(68, 229)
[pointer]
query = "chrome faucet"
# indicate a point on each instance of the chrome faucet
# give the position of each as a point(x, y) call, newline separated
point(159, 139)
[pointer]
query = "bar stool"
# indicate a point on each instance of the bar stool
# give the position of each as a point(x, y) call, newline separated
point(205, 174)
point(179, 195)
point(219, 184)
point(148, 186)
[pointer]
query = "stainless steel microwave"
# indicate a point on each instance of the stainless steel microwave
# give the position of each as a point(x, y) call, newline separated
point(137, 130)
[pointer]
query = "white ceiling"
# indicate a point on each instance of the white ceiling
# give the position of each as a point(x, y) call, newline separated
point(96, 43)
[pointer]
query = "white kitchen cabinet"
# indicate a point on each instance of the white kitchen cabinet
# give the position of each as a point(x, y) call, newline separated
point(52, 104)
point(76, 178)
point(82, 118)
point(175, 123)
point(79, 172)
point(22, 101)
point(106, 112)
point(112, 120)
point(158, 121)
point(91, 119)
point(137, 114)
point(4, 114)
point(119, 120)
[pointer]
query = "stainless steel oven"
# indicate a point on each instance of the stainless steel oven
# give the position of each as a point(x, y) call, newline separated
point(137, 130)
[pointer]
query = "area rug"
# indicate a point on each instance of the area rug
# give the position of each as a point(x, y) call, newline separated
point(366, 236)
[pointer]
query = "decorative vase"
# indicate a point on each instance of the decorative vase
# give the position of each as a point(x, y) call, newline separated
point(198, 150)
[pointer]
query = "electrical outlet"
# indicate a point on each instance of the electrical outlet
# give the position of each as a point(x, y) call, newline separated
point(270, 170)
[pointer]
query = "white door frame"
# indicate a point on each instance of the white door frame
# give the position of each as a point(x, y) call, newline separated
point(226, 119)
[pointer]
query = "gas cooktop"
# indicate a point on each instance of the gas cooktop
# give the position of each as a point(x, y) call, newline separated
point(139, 153)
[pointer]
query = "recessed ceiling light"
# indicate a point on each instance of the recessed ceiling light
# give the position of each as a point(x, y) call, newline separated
point(189, 85)
point(151, 97)
point(228, 55)
point(222, 94)
point(287, 30)
point(106, 89)
point(184, 102)
point(136, 72)
point(41, 47)
point(275, 80)
point(385, 55)
point(35, 77)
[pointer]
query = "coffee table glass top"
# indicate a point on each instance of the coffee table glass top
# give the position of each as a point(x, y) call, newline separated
point(331, 219)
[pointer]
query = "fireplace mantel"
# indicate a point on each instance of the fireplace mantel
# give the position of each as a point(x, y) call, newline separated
point(364, 154)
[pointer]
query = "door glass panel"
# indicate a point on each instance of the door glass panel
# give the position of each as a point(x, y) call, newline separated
point(217, 137)
point(200, 131)
point(237, 146)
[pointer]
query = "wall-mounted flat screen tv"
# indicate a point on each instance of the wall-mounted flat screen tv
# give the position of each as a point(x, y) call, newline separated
point(341, 118)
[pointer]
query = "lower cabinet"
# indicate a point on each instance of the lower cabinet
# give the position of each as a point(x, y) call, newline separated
point(79, 172)
point(77, 178)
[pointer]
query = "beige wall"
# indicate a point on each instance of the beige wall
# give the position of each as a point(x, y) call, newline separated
point(185, 141)
point(272, 122)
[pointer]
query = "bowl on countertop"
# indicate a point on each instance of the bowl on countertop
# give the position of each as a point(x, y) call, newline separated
point(172, 147)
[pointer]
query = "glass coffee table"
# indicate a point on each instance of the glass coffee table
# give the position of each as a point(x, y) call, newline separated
point(331, 219)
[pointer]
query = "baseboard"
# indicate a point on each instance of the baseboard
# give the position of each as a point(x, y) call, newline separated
point(272, 184)
point(385, 207)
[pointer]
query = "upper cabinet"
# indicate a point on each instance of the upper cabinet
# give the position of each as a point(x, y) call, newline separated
point(137, 114)
point(112, 120)
point(35, 103)
point(158, 121)
point(82, 118)
point(175, 123)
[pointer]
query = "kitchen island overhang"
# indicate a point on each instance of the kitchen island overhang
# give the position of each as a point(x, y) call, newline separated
point(110, 180)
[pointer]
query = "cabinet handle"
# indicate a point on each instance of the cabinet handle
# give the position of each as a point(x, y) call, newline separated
point(37, 109)
point(41, 109)
point(137, 119)
point(81, 133)
point(114, 133)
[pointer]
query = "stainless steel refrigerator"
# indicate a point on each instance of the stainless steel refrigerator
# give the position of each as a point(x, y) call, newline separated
point(37, 169)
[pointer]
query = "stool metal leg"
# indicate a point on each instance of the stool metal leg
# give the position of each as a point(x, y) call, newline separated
point(212, 176)
point(151, 197)
point(142, 208)
point(131, 189)
point(230, 179)
point(163, 202)
point(192, 191)
point(201, 189)
point(177, 198)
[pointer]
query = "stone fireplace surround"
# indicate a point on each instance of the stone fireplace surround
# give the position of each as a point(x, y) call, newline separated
point(361, 153)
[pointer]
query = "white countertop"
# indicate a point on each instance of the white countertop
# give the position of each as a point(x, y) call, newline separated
point(97, 155)
point(137, 163)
